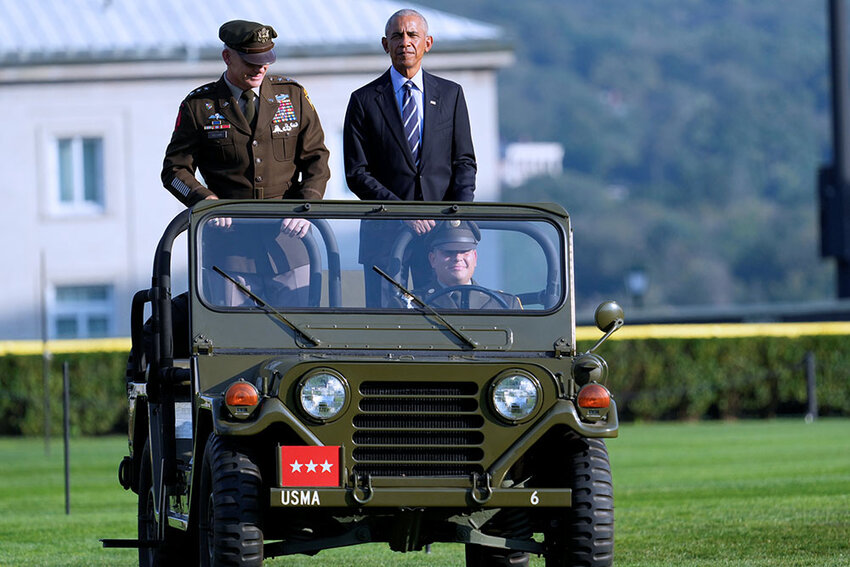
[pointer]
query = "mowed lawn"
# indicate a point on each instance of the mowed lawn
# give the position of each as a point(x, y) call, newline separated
point(748, 493)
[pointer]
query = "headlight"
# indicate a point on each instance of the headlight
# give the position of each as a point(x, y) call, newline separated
point(323, 395)
point(515, 397)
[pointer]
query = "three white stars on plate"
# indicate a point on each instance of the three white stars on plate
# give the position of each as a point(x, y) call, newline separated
point(311, 466)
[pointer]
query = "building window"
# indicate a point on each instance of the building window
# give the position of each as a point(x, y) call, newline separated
point(82, 311)
point(80, 178)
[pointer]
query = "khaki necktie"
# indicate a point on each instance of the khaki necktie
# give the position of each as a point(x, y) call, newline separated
point(250, 107)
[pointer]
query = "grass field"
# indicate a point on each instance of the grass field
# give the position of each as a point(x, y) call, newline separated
point(750, 493)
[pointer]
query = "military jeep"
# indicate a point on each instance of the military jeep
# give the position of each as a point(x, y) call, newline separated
point(275, 411)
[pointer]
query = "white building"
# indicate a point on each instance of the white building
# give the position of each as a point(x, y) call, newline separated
point(524, 160)
point(90, 90)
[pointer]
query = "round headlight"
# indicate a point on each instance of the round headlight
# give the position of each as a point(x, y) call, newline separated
point(322, 395)
point(515, 396)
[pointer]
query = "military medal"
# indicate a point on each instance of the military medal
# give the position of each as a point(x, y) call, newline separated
point(285, 111)
point(217, 125)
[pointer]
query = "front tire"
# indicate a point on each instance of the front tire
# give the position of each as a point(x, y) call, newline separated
point(230, 507)
point(175, 550)
point(583, 535)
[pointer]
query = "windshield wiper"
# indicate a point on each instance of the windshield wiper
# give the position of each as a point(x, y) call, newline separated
point(409, 295)
point(268, 308)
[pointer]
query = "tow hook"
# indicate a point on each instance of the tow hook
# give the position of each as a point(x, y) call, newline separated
point(481, 491)
point(362, 485)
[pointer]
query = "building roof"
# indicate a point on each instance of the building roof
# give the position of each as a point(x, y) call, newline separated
point(63, 31)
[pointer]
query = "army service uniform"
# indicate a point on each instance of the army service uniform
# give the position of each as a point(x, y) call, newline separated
point(285, 157)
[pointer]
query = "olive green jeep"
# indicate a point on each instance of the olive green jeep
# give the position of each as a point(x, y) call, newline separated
point(402, 372)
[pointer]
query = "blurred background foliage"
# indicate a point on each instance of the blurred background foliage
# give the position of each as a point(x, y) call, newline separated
point(693, 131)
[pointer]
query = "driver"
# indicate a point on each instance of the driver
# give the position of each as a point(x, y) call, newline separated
point(453, 255)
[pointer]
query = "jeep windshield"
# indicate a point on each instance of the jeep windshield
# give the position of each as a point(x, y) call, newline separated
point(318, 260)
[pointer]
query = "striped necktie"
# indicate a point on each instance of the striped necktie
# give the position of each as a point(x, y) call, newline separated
point(410, 117)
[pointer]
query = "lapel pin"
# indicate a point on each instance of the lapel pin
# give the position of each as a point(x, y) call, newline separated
point(434, 102)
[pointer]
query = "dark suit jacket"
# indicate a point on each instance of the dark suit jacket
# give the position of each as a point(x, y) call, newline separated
point(378, 162)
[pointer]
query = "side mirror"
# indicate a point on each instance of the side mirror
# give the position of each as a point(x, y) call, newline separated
point(609, 317)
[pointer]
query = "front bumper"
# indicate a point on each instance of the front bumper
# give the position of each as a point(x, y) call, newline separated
point(396, 497)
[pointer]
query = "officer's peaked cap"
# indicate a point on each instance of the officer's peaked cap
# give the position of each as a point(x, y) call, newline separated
point(253, 41)
point(454, 235)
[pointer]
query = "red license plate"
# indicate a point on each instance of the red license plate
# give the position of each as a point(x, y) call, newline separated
point(309, 465)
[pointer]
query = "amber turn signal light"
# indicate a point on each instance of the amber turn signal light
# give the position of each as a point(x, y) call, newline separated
point(594, 396)
point(241, 399)
point(241, 394)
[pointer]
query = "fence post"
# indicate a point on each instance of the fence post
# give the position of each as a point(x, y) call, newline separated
point(66, 411)
point(811, 391)
point(45, 380)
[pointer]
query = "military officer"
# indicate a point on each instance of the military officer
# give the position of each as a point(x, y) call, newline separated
point(251, 135)
point(453, 255)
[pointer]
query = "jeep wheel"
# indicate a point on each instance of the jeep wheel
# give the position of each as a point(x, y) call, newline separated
point(230, 508)
point(174, 550)
point(583, 535)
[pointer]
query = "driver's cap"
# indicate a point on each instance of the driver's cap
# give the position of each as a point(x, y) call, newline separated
point(454, 235)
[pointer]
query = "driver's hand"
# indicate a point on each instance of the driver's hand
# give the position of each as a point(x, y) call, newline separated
point(421, 227)
point(223, 222)
point(295, 227)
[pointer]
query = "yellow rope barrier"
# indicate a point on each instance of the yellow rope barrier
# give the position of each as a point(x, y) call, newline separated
point(65, 346)
point(719, 331)
point(629, 332)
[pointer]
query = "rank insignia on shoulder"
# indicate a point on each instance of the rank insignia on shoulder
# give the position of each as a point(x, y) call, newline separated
point(200, 90)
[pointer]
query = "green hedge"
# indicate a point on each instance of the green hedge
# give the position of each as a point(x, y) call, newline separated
point(651, 379)
point(656, 379)
point(98, 393)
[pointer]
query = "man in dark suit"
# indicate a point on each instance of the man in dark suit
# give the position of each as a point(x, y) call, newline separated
point(406, 137)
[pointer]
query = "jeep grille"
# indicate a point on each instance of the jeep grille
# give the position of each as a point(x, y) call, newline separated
point(418, 429)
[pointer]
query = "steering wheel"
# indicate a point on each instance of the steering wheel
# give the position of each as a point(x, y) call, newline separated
point(468, 289)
